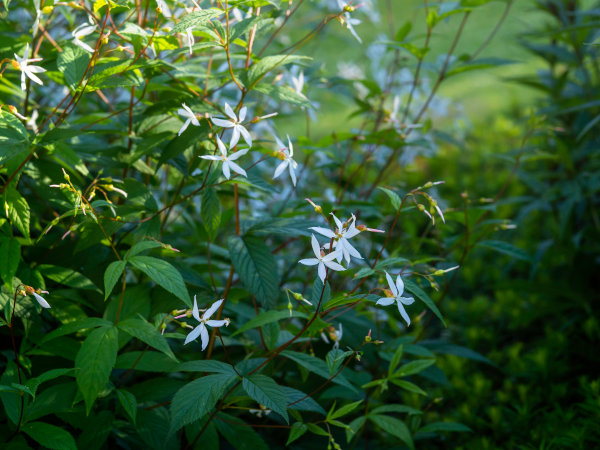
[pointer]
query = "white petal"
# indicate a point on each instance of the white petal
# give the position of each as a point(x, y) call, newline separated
point(292, 173)
point(242, 115)
point(315, 246)
point(322, 272)
point(399, 285)
point(195, 311)
point(280, 168)
point(351, 250)
point(211, 157)
point(403, 313)
point(82, 45)
point(34, 77)
point(184, 127)
point(245, 134)
point(43, 303)
point(221, 146)
point(334, 266)
point(309, 261)
point(222, 123)
point(213, 308)
point(385, 301)
point(391, 284)
point(236, 168)
point(324, 231)
point(194, 333)
point(407, 300)
point(238, 154)
point(226, 170)
point(216, 323)
point(337, 222)
point(290, 146)
point(235, 136)
point(230, 112)
point(204, 336)
point(280, 145)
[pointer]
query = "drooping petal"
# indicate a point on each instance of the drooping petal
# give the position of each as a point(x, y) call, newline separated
point(385, 301)
point(192, 335)
point(195, 311)
point(393, 287)
point(221, 122)
point(204, 336)
point(403, 313)
point(279, 144)
point(221, 147)
point(184, 126)
point(245, 134)
point(34, 77)
point(315, 246)
point(351, 250)
point(213, 308)
point(280, 168)
point(399, 286)
point(216, 323)
point(237, 169)
point(226, 170)
point(334, 266)
point(238, 154)
point(230, 112)
point(41, 300)
point(322, 271)
point(292, 173)
point(79, 43)
point(324, 231)
point(235, 136)
point(290, 146)
point(310, 261)
point(407, 300)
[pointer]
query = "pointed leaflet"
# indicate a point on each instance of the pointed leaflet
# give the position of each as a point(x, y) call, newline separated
point(256, 267)
point(73, 62)
point(393, 426)
point(50, 436)
point(17, 211)
point(129, 403)
point(147, 333)
point(211, 212)
point(316, 366)
point(198, 398)
point(266, 392)
point(94, 362)
point(10, 255)
point(111, 276)
point(267, 317)
point(238, 433)
point(195, 19)
point(163, 274)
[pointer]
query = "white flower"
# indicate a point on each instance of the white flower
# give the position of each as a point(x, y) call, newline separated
point(334, 335)
point(397, 290)
point(201, 330)
point(285, 154)
point(228, 163)
point(82, 31)
point(28, 70)
point(298, 83)
point(349, 21)
point(236, 124)
point(41, 300)
point(163, 8)
point(340, 237)
point(189, 117)
point(321, 260)
point(189, 38)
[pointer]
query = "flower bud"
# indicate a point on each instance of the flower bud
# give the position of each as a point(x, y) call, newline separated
point(47, 9)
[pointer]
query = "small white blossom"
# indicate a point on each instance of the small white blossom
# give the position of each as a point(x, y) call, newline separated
point(396, 291)
point(343, 232)
point(82, 31)
point(163, 8)
point(286, 154)
point(189, 117)
point(235, 124)
point(28, 70)
point(201, 330)
point(322, 260)
point(349, 21)
point(334, 335)
point(228, 163)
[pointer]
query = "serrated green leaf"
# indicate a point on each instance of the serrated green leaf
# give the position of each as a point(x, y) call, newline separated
point(394, 198)
point(51, 374)
point(78, 325)
point(163, 274)
point(14, 139)
point(407, 385)
point(297, 430)
point(256, 267)
point(198, 398)
point(300, 401)
point(141, 246)
point(128, 402)
point(17, 210)
point(335, 358)
point(95, 361)
point(396, 359)
point(206, 366)
point(316, 366)
point(395, 408)
point(268, 317)
point(414, 367)
point(196, 19)
point(210, 212)
point(346, 409)
point(50, 436)
point(238, 433)
point(260, 68)
point(73, 62)
point(393, 426)
point(10, 256)
point(67, 276)
point(266, 392)
point(111, 276)
point(147, 333)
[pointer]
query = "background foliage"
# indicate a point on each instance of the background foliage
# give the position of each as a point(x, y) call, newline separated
point(498, 99)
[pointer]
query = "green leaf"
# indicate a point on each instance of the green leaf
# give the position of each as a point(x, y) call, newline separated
point(506, 249)
point(50, 436)
point(67, 276)
point(316, 366)
point(17, 210)
point(410, 387)
point(78, 325)
point(196, 19)
point(256, 267)
point(14, 139)
point(141, 246)
point(393, 426)
point(300, 401)
point(46, 376)
point(396, 359)
point(395, 408)
point(73, 62)
point(346, 409)
point(163, 274)
point(211, 212)
point(414, 367)
point(335, 358)
point(238, 433)
point(297, 430)
point(261, 68)
point(266, 392)
point(147, 333)
point(436, 427)
point(128, 402)
point(111, 276)
point(268, 317)
point(394, 198)
point(206, 366)
point(10, 256)
point(95, 361)
point(317, 430)
point(284, 94)
point(414, 288)
point(198, 398)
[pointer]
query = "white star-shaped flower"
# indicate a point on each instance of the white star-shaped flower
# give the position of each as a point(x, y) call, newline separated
point(343, 232)
point(27, 70)
point(201, 330)
point(228, 163)
point(189, 117)
point(349, 21)
point(396, 290)
point(82, 31)
point(322, 260)
point(235, 124)
point(286, 154)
